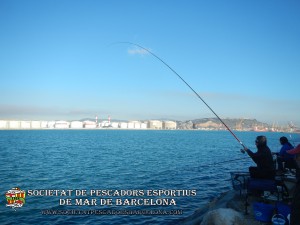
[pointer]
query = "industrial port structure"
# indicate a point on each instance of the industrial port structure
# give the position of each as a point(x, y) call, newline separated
point(198, 124)
point(88, 124)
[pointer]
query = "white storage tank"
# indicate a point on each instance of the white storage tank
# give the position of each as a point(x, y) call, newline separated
point(36, 124)
point(137, 125)
point(123, 125)
point(51, 124)
point(143, 125)
point(89, 124)
point(44, 124)
point(130, 125)
point(3, 124)
point(169, 125)
point(25, 125)
point(76, 124)
point(14, 124)
point(115, 125)
point(105, 124)
point(61, 124)
point(155, 124)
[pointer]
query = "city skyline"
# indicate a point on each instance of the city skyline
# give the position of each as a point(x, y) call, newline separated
point(58, 61)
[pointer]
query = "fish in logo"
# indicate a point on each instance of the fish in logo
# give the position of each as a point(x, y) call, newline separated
point(15, 198)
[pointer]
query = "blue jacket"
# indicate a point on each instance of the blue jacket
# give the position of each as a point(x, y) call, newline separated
point(284, 148)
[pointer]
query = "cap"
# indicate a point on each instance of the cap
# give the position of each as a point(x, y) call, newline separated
point(294, 150)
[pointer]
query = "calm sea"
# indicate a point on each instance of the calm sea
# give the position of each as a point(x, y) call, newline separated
point(127, 160)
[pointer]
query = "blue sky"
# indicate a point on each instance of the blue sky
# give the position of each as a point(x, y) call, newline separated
point(57, 60)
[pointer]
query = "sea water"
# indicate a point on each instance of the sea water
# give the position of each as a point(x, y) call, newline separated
point(137, 162)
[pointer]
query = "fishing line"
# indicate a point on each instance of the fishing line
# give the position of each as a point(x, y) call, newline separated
point(203, 166)
point(186, 85)
point(223, 162)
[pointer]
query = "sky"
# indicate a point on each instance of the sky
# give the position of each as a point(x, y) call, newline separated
point(64, 60)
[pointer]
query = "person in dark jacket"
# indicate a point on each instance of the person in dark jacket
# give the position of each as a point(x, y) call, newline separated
point(263, 159)
point(284, 157)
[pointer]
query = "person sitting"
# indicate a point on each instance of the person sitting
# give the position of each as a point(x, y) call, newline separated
point(263, 159)
point(295, 207)
point(284, 157)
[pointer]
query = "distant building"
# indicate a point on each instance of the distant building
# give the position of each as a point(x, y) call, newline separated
point(155, 124)
point(169, 125)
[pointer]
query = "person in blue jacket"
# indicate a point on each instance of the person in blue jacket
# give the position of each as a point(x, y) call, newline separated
point(283, 156)
point(263, 158)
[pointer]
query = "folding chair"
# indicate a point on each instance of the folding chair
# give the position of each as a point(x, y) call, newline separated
point(271, 185)
point(239, 181)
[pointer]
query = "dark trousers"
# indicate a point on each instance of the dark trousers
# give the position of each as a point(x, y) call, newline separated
point(295, 213)
point(261, 174)
point(288, 163)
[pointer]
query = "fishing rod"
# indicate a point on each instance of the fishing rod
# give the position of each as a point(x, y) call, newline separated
point(188, 86)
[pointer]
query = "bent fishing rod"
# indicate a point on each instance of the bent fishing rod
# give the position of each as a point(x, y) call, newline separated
point(131, 43)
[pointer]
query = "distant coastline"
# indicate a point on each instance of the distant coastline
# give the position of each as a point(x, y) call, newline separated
point(197, 124)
